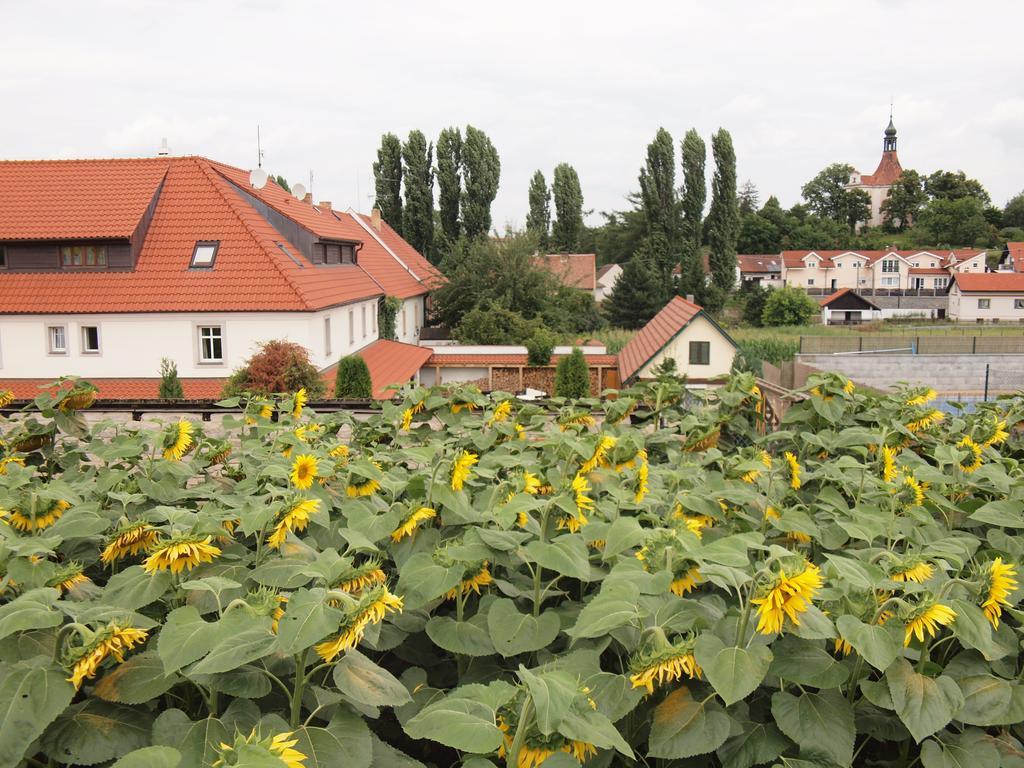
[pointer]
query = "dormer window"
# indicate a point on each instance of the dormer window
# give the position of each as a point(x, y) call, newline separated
point(205, 254)
point(72, 256)
point(338, 253)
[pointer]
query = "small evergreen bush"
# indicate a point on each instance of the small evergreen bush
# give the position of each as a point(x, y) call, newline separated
point(572, 376)
point(170, 384)
point(353, 379)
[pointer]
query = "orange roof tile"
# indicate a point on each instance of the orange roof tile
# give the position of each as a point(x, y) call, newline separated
point(1015, 251)
point(429, 275)
point(990, 282)
point(76, 199)
point(928, 271)
point(887, 172)
point(122, 389)
point(653, 337)
point(390, 362)
point(759, 263)
point(575, 270)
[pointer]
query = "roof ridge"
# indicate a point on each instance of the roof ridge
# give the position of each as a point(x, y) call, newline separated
point(358, 218)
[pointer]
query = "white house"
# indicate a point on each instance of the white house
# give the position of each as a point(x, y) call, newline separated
point(607, 277)
point(109, 266)
point(990, 297)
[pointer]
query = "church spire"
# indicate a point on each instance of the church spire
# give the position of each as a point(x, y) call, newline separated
point(889, 142)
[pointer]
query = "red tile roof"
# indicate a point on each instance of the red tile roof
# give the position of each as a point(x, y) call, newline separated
point(508, 359)
point(653, 337)
point(990, 282)
point(251, 273)
point(794, 259)
point(887, 172)
point(390, 362)
point(423, 270)
point(76, 199)
point(759, 263)
point(928, 271)
point(843, 291)
point(122, 389)
point(575, 270)
point(1016, 254)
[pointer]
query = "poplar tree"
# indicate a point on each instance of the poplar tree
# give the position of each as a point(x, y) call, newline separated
point(691, 266)
point(449, 181)
point(568, 224)
point(538, 220)
point(661, 204)
point(418, 214)
point(387, 177)
point(481, 169)
point(723, 216)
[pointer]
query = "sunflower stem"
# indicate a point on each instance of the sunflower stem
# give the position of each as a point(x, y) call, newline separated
point(299, 685)
point(525, 713)
point(537, 574)
point(741, 630)
point(857, 667)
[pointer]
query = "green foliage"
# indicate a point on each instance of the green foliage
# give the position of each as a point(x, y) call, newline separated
point(711, 297)
point(949, 185)
point(277, 366)
point(827, 196)
point(170, 384)
point(489, 323)
point(418, 175)
point(543, 611)
point(282, 182)
point(754, 297)
point(776, 350)
point(481, 170)
point(789, 305)
point(540, 346)
point(572, 376)
point(694, 157)
point(449, 182)
point(538, 219)
point(955, 222)
point(723, 216)
point(661, 203)
point(904, 202)
point(568, 224)
point(637, 295)
point(387, 176)
point(748, 198)
point(352, 381)
point(1013, 213)
point(572, 310)
point(387, 314)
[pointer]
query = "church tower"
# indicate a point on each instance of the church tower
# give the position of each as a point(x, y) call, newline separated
point(878, 184)
point(889, 142)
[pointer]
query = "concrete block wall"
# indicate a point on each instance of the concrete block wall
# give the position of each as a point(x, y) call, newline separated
point(945, 373)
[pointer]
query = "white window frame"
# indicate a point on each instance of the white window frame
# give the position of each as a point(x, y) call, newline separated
point(894, 263)
point(891, 282)
point(50, 348)
point(327, 336)
point(195, 263)
point(83, 329)
point(984, 303)
point(810, 281)
point(201, 359)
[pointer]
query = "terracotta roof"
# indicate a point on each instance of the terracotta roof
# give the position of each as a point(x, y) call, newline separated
point(759, 263)
point(122, 389)
point(76, 199)
point(1015, 251)
point(928, 271)
point(424, 271)
point(653, 337)
point(990, 282)
point(390, 362)
point(794, 259)
point(252, 272)
point(475, 361)
point(576, 270)
point(887, 172)
point(843, 291)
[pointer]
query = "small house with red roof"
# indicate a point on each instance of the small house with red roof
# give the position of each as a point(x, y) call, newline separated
point(573, 270)
point(884, 270)
point(847, 307)
point(989, 297)
point(109, 266)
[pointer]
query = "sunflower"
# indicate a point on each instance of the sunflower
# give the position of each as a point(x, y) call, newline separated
point(280, 746)
point(573, 419)
point(927, 619)
point(599, 458)
point(580, 487)
point(26, 523)
point(789, 596)
point(674, 663)
point(910, 492)
point(407, 415)
point(304, 471)
point(463, 406)
point(277, 612)
point(372, 607)
point(849, 387)
point(922, 397)
point(111, 641)
point(360, 577)
point(686, 583)
point(889, 455)
point(20, 461)
point(6, 397)
point(999, 434)
point(973, 460)
point(177, 440)
point(641, 477)
point(68, 577)
point(295, 519)
point(919, 572)
point(501, 413)
point(339, 451)
point(301, 398)
point(180, 552)
point(412, 522)
point(474, 577)
point(751, 475)
point(1002, 580)
point(461, 469)
point(135, 538)
point(933, 416)
point(794, 470)
point(531, 484)
point(367, 487)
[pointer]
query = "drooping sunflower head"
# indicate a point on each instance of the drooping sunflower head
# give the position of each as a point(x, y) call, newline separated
point(786, 596)
point(294, 517)
point(177, 440)
point(995, 432)
point(685, 579)
point(411, 522)
point(180, 552)
point(1002, 582)
point(6, 397)
point(110, 641)
point(304, 471)
point(642, 475)
point(299, 402)
point(281, 746)
point(920, 396)
point(359, 485)
point(926, 618)
point(362, 576)
point(474, 576)
point(599, 457)
point(914, 569)
point(661, 662)
point(371, 606)
point(501, 413)
point(461, 469)
point(572, 419)
point(129, 540)
point(889, 471)
point(26, 522)
point(972, 460)
point(925, 420)
point(68, 578)
point(794, 470)
point(909, 492)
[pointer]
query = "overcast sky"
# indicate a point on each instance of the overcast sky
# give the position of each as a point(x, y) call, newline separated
point(799, 85)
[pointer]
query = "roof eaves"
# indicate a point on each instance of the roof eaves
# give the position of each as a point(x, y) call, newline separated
point(376, 236)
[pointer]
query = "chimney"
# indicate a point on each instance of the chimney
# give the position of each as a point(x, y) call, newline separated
point(375, 218)
point(325, 204)
point(308, 198)
point(164, 149)
point(689, 298)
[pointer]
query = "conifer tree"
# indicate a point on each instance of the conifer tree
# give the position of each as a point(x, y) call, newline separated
point(352, 380)
point(568, 224)
point(694, 195)
point(170, 384)
point(637, 295)
point(661, 204)
point(449, 182)
point(572, 376)
point(481, 169)
point(538, 220)
point(387, 177)
point(723, 216)
point(418, 213)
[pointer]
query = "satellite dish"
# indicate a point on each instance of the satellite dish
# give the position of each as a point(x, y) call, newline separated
point(258, 178)
point(299, 190)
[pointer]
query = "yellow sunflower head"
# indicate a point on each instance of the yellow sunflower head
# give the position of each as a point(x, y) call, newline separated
point(178, 440)
point(304, 471)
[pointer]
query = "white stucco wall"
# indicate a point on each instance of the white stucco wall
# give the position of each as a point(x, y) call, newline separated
point(606, 283)
point(409, 320)
point(700, 328)
point(132, 345)
point(1001, 306)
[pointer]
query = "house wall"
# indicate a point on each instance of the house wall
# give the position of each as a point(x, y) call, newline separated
point(976, 263)
point(409, 320)
point(699, 329)
point(132, 345)
point(964, 307)
point(606, 283)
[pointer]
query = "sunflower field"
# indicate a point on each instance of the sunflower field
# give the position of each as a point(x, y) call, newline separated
point(469, 580)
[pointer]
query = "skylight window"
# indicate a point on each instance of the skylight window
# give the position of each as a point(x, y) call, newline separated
point(205, 254)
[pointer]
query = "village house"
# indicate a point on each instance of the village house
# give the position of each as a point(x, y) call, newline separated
point(607, 277)
point(847, 307)
point(1012, 259)
point(109, 266)
point(764, 269)
point(886, 271)
point(993, 297)
point(573, 270)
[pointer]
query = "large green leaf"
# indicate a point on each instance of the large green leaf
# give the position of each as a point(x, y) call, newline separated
point(467, 638)
point(238, 638)
point(990, 700)
point(423, 579)
point(924, 704)
point(247, 682)
point(197, 741)
point(32, 694)
point(552, 693)
point(150, 757)
point(386, 756)
point(365, 682)
point(32, 610)
point(733, 672)
point(756, 743)
point(133, 588)
point(973, 630)
point(821, 722)
point(184, 638)
point(307, 619)
point(346, 735)
point(878, 645)
point(464, 719)
point(968, 751)
point(615, 606)
point(566, 555)
point(806, 662)
point(1004, 512)
point(139, 679)
point(592, 727)
point(513, 632)
point(94, 731)
point(683, 727)
point(731, 550)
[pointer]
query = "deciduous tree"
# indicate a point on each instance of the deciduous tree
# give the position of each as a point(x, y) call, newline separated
point(723, 216)
point(661, 204)
point(954, 222)
point(481, 169)
point(568, 224)
point(904, 202)
point(418, 213)
point(387, 177)
point(1013, 213)
point(449, 182)
point(749, 199)
point(538, 220)
point(788, 305)
point(694, 155)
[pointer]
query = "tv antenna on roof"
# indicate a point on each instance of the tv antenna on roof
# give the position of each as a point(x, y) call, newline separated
point(259, 148)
